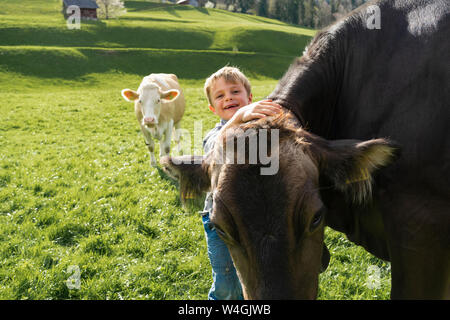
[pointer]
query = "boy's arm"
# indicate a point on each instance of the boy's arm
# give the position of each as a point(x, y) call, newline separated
point(253, 111)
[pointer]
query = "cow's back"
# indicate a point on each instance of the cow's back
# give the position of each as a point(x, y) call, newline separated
point(396, 86)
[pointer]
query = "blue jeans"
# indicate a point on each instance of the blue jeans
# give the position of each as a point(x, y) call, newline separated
point(226, 285)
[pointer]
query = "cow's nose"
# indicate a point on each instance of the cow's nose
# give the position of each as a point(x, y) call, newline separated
point(149, 120)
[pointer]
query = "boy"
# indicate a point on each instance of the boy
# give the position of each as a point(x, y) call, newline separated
point(229, 95)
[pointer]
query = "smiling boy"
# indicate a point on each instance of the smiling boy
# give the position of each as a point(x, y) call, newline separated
point(229, 95)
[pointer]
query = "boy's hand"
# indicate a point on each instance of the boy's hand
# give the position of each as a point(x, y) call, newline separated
point(256, 110)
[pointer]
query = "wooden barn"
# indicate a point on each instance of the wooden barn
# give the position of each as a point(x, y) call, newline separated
point(88, 8)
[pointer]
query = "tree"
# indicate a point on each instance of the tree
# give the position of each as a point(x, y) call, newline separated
point(262, 8)
point(309, 13)
point(209, 4)
point(244, 4)
point(239, 5)
point(292, 8)
point(271, 8)
point(323, 15)
point(111, 8)
point(301, 13)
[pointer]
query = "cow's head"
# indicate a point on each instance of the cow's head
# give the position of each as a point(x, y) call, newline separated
point(150, 97)
point(274, 224)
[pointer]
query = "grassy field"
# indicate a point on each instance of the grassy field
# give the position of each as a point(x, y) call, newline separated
point(76, 187)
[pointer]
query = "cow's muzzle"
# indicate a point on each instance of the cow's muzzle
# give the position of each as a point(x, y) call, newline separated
point(150, 121)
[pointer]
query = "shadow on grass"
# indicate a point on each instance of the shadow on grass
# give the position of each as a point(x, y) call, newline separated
point(143, 6)
point(129, 37)
point(136, 6)
point(253, 18)
point(151, 19)
point(202, 10)
point(263, 20)
point(171, 10)
point(262, 41)
point(73, 64)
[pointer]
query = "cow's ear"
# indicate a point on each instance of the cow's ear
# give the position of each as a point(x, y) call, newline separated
point(170, 95)
point(130, 95)
point(350, 164)
point(192, 173)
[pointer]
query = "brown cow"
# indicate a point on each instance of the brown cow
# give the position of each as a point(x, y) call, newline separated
point(355, 81)
point(276, 245)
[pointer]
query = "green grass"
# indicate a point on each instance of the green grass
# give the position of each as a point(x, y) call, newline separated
point(76, 187)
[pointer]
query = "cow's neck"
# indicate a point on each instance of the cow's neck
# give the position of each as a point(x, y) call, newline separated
point(311, 87)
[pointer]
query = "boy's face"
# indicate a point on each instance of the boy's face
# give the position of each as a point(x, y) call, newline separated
point(227, 98)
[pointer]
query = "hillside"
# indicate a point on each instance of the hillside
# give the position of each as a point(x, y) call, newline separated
point(150, 37)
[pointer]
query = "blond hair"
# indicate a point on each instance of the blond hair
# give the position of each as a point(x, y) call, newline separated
point(229, 74)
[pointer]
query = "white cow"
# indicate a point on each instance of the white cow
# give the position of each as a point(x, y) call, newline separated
point(159, 106)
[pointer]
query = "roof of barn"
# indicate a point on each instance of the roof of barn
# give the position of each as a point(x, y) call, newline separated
point(85, 4)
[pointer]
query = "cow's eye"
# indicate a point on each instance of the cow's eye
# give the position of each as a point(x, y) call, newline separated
point(227, 238)
point(231, 235)
point(317, 219)
point(219, 231)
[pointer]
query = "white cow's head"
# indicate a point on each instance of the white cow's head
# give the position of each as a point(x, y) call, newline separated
point(150, 96)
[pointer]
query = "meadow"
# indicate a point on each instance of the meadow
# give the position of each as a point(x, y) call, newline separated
point(77, 191)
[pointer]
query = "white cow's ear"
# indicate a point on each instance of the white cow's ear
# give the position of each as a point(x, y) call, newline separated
point(130, 95)
point(170, 95)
